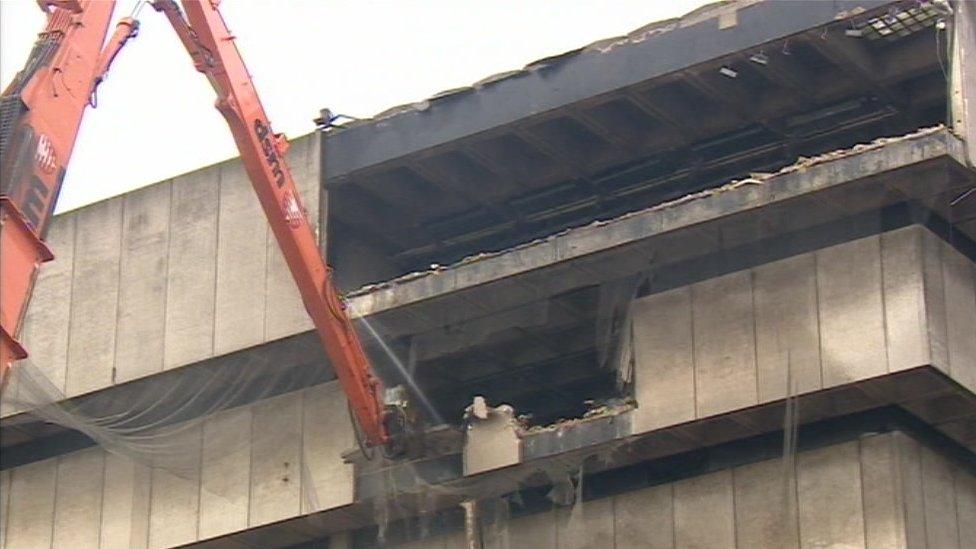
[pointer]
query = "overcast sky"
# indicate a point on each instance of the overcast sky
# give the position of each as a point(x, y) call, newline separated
point(156, 119)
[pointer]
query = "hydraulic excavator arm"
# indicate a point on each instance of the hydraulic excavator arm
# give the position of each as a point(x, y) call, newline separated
point(214, 53)
point(40, 114)
point(48, 100)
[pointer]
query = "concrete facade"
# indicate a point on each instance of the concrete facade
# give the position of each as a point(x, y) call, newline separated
point(240, 468)
point(154, 280)
point(756, 331)
point(879, 491)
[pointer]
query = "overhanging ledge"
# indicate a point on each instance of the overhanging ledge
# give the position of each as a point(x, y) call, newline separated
point(810, 192)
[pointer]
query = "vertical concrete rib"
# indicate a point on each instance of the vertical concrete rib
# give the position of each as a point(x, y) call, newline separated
point(663, 352)
point(125, 503)
point(225, 473)
point(142, 292)
point(276, 459)
point(47, 323)
point(763, 515)
point(724, 336)
point(703, 511)
point(644, 519)
point(327, 481)
point(191, 279)
point(881, 491)
point(78, 505)
point(851, 311)
point(903, 287)
point(31, 516)
point(960, 291)
point(585, 524)
point(831, 507)
point(941, 526)
point(787, 331)
point(94, 297)
point(241, 262)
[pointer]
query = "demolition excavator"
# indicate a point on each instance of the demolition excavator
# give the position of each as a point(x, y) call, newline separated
point(40, 116)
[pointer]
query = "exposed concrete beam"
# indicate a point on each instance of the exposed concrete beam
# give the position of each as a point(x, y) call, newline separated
point(833, 175)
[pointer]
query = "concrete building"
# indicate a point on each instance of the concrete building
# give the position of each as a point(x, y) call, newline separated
point(723, 267)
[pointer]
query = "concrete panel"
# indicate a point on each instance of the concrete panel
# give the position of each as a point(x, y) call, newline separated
point(852, 334)
point(175, 502)
point(31, 505)
point(664, 357)
point(644, 519)
point(242, 242)
point(190, 284)
point(703, 512)
point(327, 482)
point(4, 505)
point(935, 300)
point(142, 288)
point(46, 331)
point(536, 531)
point(960, 292)
point(941, 526)
point(787, 331)
point(78, 505)
point(276, 459)
point(765, 512)
point(225, 473)
point(725, 344)
point(966, 504)
point(586, 524)
point(906, 329)
point(125, 503)
point(285, 314)
point(884, 506)
point(829, 490)
point(909, 471)
point(94, 297)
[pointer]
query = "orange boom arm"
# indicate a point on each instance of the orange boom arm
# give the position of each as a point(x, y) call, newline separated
point(40, 114)
point(211, 46)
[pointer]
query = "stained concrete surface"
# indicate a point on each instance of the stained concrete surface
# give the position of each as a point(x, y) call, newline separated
point(851, 494)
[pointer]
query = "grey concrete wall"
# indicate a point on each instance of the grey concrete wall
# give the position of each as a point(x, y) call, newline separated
point(880, 491)
point(240, 468)
point(849, 312)
point(165, 276)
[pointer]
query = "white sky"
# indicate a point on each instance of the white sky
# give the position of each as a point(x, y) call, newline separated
point(156, 118)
